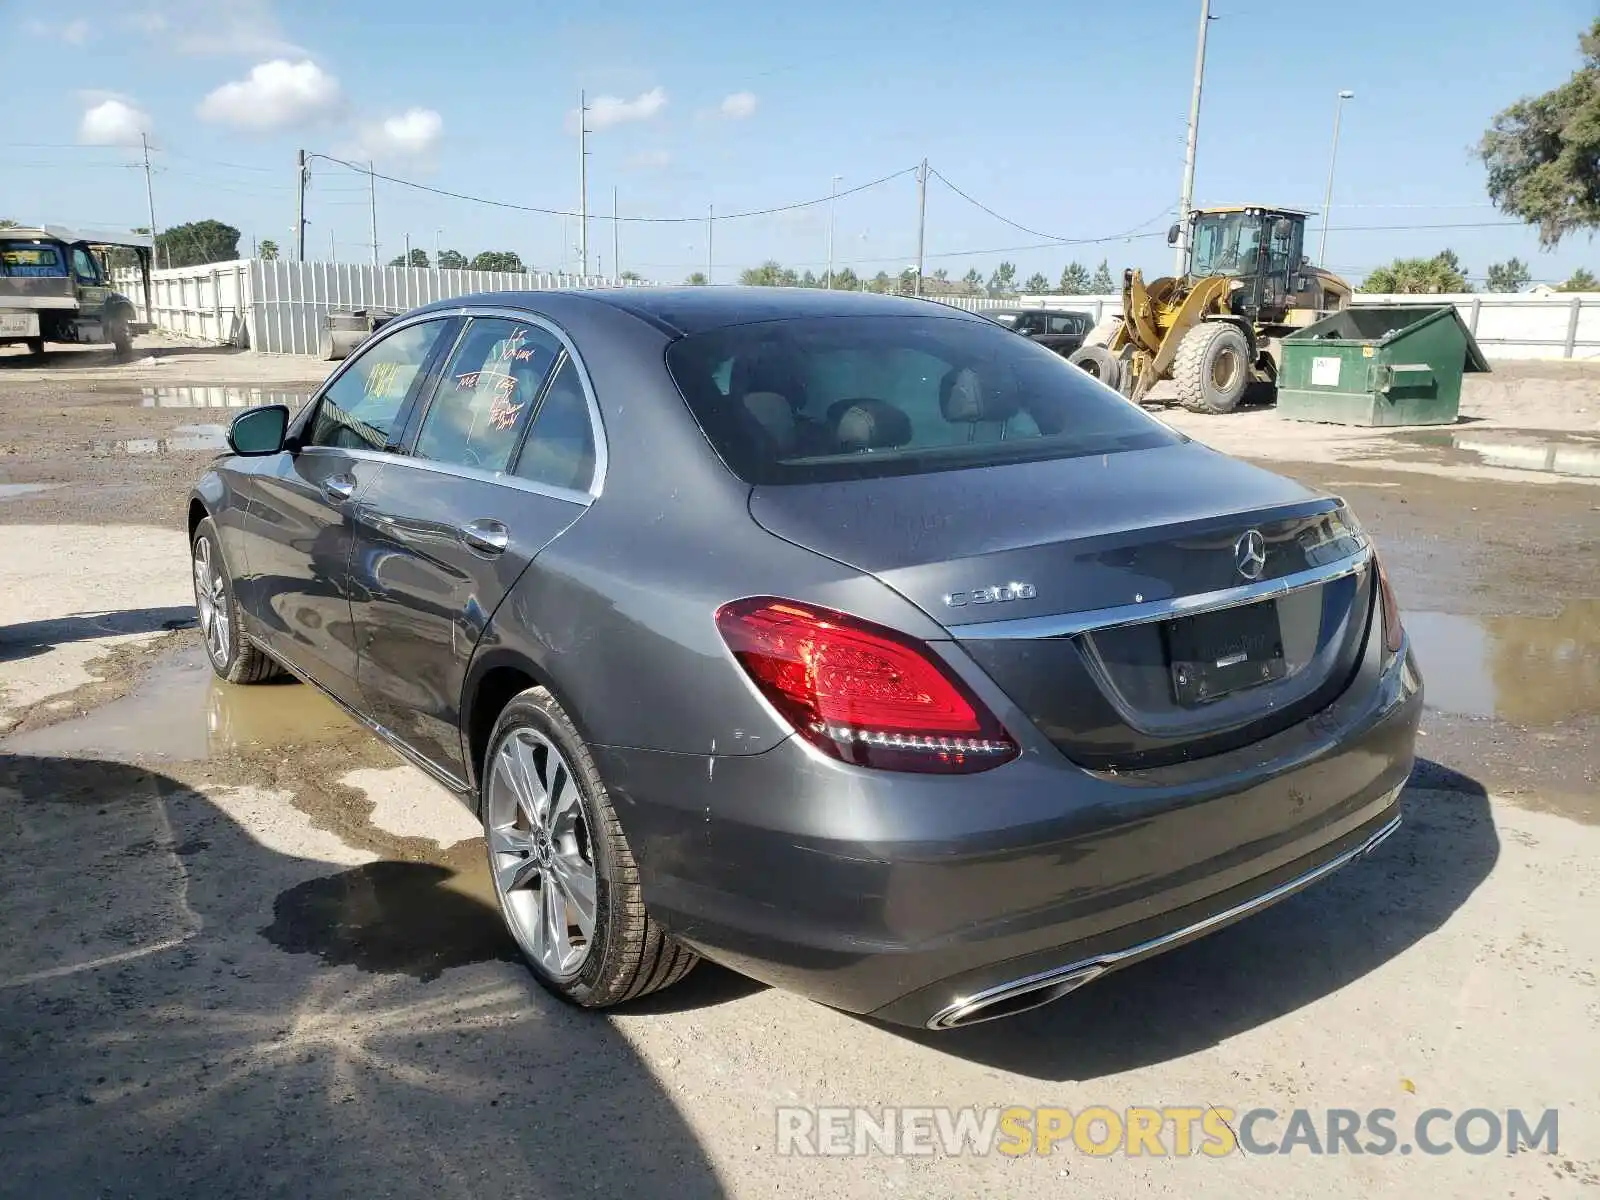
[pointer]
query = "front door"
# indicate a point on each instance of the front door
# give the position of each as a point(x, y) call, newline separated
point(503, 461)
point(296, 535)
point(89, 282)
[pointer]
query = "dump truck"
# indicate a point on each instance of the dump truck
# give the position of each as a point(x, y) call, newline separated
point(1216, 331)
point(55, 286)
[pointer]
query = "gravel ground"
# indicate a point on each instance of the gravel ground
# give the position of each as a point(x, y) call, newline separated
point(248, 951)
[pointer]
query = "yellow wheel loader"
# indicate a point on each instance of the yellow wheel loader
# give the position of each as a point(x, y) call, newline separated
point(1216, 331)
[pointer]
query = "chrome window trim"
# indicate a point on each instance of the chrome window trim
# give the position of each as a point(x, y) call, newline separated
point(1066, 625)
point(602, 458)
point(504, 478)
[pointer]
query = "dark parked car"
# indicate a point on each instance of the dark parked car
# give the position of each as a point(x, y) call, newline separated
point(1060, 331)
point(849, 641)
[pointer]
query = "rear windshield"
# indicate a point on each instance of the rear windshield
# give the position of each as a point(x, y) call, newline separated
point(32, 259)
point(821, 398)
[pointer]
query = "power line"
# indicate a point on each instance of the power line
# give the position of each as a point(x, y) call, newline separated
point(558, 212)
point(1054, 238)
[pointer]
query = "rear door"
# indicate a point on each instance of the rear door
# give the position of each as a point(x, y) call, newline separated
point(503, 460)
point(297, 533)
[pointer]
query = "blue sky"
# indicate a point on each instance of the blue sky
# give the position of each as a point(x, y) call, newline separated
point(1067, 118)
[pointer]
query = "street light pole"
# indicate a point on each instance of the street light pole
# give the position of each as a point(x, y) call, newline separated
point(1333, 157)
point(833, 193)
point(1186, 199)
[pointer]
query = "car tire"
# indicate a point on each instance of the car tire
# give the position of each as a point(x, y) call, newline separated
point(556, 849)
point(1099, 362)
point(231, 655)
point(36, 347)
point(1212, 367)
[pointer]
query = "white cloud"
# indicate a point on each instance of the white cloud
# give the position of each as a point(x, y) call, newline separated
point(248, 28)
point(277, 94)
point(74, 33)
point(650, 160)
point(111, 121)
point(738, 106)
point(605, 111)
point(409, 135)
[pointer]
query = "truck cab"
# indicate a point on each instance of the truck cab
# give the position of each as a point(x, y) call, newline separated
point(55, 287)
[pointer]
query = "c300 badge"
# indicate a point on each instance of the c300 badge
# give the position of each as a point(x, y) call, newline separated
point(992, 595)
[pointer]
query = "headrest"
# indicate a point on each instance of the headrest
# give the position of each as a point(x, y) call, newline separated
point(771, 368)
point(869, 425)
point(963, 398)
point(776, 418)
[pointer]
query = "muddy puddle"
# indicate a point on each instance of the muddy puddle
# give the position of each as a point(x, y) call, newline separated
point(1529, 670)
point(11, 491)
point(184, 439)
point(181, 712)
point(1575, 455)
point(218, 396)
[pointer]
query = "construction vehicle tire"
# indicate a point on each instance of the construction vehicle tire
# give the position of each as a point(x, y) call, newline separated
point(1099, 362)
point(1212, 367)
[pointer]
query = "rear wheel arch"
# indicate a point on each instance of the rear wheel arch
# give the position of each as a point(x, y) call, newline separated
point(495, 679)
point(197, 513)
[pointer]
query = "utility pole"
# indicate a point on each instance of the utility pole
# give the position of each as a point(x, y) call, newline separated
point(1186, 198)
point(1333, 157)
point(833, 194)
point(407, 259)
point(436, 263)
point(583, 183)
point(616, 237)
point(922, 222)
point(300, 206)
point(372, 199)
point(333, 253)
point(150, 198)
point(711, 216)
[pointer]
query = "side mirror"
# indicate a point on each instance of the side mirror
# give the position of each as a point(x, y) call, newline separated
point(1172, 234)
point(259, 431)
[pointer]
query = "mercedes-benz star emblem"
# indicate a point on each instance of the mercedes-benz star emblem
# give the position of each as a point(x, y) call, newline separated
point(1250, 554)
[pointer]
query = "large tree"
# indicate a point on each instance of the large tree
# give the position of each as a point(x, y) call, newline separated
point(1037, 284)
point(1581, 281)
point(419, 258)
point(769, 274)
point(844, 280)
point(698, 279)
point(197, 243)
point(1075, 280)
point(1419, 276)
point(1510, 276)
point(1543, 153)
point(1003, 282)
point(452, 260)
point(496, 260)
point(268, 249)
point(1102, 284)
point(973, 281)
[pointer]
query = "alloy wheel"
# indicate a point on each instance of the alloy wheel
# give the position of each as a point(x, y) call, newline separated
point(540, 852)
point(211, 600)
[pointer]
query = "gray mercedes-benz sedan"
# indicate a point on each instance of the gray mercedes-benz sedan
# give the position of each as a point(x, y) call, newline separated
point(851, 642)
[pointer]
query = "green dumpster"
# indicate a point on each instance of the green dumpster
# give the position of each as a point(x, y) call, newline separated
point(1378, 365)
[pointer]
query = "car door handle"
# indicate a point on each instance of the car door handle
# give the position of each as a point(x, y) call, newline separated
point(486, 537)
point(338, 488)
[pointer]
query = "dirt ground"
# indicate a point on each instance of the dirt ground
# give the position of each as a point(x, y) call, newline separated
point(245, 950)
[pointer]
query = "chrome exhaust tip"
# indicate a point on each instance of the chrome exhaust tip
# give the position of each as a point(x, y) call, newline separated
point(1015, 998)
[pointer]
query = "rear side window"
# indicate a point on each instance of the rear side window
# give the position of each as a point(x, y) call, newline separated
point(360, 408)
point(821, 398)
point(486, 394)
point(560, 447)
point(28, 259)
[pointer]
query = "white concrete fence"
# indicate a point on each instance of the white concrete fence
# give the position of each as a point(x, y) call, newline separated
point(278, 307)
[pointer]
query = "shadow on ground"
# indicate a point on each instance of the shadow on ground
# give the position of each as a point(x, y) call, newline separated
point(1271, 964)
point(154, 1042)
point(35, 637)
point(103, 357)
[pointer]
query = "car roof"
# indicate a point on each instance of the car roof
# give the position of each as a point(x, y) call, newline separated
point(94, 237)
point(680, 311)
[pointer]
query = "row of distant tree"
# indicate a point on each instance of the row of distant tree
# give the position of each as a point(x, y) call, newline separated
point(1076, 280)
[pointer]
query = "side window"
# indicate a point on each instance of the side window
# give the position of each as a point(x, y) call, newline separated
point(560, 447)
point(83, 265)
point(486, 393)
point(359, 411)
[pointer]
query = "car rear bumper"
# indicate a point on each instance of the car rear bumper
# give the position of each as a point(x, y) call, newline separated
point(911, 897)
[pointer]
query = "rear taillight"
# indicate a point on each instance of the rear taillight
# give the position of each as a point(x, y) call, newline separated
point(860, 692)
point(1393, 631)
